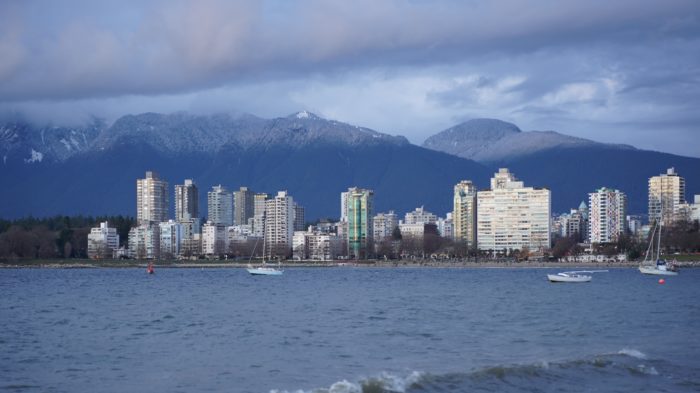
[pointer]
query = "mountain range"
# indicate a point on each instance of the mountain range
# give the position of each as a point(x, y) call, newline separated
point(92, 169)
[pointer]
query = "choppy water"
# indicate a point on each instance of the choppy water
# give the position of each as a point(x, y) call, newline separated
point(347, 330)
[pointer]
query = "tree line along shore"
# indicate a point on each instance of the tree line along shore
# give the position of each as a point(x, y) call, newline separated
point(685, 261)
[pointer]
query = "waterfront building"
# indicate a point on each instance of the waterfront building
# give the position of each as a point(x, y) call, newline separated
point(573, 224)
point(103, 241)
point(191, 247)
point(464, 213)
point(420, 216)
point(445, 226)
point(144, 242)
point(170, 239)
point(414, 230)
point(634, 224)
point(186, 201)
point(383, 225)
point(151, 199)
point(512, 216)
point(220, 206)
point(213, 239)
point(258, 221)
point(279, 225)
point(689, 211)
point(299, 217)
point(607, 215)
point(666, 195)
point(344, 206)
point(243, 205)
point(360, 206)
point(315, 245)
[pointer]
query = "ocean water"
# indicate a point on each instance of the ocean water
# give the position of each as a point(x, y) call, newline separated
point(347, 330)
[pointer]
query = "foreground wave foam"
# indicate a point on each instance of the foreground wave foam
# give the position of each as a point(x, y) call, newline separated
point(607, 367)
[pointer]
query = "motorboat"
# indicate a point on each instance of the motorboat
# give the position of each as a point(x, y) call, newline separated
point(574, 276)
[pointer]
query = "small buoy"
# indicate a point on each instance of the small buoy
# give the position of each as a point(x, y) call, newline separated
point(661, 281)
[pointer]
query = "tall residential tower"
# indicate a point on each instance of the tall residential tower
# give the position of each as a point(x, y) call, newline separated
point(151, 199)
point(464, 213)
point(607, 215)
point(360, 207)
point(666, 195)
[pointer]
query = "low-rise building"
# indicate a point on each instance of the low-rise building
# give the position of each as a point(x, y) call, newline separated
point(102, 241)
point(144, 242)
point(170, 239)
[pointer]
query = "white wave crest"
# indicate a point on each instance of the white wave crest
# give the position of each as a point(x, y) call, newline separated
point(632, 353)
point(648, 370)
point(387, 381)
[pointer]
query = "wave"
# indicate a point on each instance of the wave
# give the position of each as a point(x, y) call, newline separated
point(621, 370)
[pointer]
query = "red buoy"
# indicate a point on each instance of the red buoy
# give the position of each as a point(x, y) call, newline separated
point(662, 281)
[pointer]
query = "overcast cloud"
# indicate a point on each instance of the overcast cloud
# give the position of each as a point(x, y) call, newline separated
point(625, 71)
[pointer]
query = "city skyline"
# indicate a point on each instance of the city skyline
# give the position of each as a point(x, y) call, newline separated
point(506, 216)
point(623, 73)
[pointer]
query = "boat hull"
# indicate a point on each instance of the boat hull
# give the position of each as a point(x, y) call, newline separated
point(656, 272)
point(572, 279)
point(264, 271)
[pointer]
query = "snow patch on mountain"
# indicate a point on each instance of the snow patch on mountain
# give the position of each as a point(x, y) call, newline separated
point(35, 156)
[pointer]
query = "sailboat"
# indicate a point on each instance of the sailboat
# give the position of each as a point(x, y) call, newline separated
point(262, 270)
point(652, 263)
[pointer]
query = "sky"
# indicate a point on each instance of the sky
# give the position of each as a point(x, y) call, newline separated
point(623, 71)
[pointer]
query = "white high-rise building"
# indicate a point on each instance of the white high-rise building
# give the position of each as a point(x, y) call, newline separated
point(383, 225)
point(186, 201)
point(512, 216)
point(279, 225)
point(666, 195)
point(464, 213)
point(151, 199)
point(170, 238)
point(607, 215)
point(220, 206)
point(102, 241)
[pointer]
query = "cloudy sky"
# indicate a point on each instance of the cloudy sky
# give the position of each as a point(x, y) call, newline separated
point(623, 71)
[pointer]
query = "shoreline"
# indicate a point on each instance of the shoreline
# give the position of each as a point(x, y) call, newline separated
point(489, 264)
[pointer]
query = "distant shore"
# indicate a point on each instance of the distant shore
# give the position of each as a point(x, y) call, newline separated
point(93, 264)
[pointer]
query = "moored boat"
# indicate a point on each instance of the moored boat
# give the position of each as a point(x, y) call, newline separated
point(574, 276)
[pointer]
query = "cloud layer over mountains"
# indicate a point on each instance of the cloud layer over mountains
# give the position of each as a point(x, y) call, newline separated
point(624, 71)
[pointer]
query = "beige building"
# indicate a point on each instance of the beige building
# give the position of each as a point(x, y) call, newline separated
point(512, 216)
point(151, 199)
point(666, 195)
point(464, 213)
point(279, 225)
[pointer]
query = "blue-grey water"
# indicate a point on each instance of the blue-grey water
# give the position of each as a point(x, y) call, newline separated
point(347, 330)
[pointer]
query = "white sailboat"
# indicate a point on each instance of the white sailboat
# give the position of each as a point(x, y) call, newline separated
point(575, 276)
point(652, 263)
point(263, 270)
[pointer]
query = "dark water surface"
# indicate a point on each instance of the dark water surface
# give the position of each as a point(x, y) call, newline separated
point(347, 330)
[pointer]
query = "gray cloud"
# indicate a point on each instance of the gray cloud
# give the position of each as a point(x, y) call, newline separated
point(408, 68)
